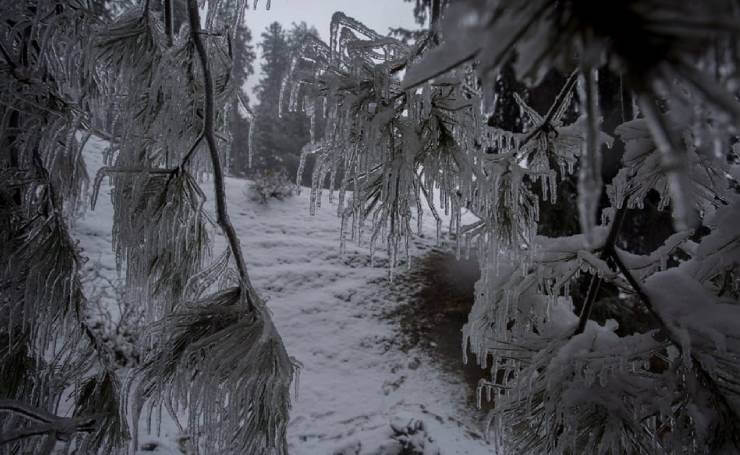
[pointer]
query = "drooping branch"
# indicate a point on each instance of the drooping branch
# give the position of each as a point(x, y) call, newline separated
point(222, 214)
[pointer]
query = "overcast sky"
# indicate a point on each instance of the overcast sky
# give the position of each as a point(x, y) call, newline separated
point(376, 14)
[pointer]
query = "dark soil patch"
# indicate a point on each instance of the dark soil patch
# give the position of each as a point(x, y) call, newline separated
point(440, 300)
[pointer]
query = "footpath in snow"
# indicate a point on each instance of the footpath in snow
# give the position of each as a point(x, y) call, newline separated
point(356, 379)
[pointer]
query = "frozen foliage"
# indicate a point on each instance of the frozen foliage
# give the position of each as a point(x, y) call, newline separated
point(268, 185)
point(395, 128)
point(216, 354)
point(393, 145)
point(161, 97)
point(404, 122)
point(412, 436)
point(45, 344)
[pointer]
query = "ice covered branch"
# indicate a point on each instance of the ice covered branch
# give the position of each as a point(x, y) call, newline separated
point(595, 284)
point(222, 213)
point(57, 428)
point(704, 376)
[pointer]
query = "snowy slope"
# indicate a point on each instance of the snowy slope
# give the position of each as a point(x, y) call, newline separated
point(327, 306)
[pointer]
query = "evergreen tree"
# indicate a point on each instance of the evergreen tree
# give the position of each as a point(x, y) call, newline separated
point(266, 153)
point(244, 56)
point(279, 135)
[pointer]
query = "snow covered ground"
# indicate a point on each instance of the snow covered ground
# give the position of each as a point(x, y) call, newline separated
point(328, 307)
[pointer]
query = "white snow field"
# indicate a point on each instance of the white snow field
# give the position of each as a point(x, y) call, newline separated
point(328, 307)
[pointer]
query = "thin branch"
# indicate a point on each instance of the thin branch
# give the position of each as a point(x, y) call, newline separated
point(593, 288)
point(222, 214)
point(124, 170)
point(193, 147)
point(136, 170)
point(593, 291)
point(47, 423)
point(555, 108)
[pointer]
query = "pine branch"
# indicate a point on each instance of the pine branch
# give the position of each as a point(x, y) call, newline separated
point(703, 374)
point(555, 108)
point(222, 214)
point(122, 170)
point(46, 423)
point(473, 52)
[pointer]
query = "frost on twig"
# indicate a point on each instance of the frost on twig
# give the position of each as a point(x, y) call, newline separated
point(238, 396)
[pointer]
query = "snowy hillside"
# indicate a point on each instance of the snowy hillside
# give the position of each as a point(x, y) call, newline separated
point(355, 379)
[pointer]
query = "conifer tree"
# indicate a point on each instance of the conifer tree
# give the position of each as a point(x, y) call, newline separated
point(244, 56)
point(278, 139)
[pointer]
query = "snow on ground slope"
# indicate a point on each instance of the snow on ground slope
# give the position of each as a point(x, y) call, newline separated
point(328, 308)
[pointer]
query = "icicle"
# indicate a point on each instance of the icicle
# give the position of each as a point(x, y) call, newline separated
point(603, 379)
point(342, 233)
point(545, 186)
point(293, 99)
point(312, 118)
point(250, 142)
point(589, 179)
point(553, 188)
point(301, 167)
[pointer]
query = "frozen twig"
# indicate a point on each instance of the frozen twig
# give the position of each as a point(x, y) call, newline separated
point(61, 428)
point(222, 214)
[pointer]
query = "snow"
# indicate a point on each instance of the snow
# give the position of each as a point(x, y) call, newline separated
point(355, 379)
point(685, 304)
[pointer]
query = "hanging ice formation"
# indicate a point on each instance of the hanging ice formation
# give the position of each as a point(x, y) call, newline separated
point(395, 153)
point(402, 154)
